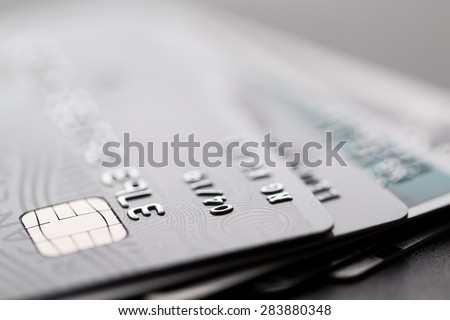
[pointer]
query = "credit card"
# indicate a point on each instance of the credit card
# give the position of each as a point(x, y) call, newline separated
point(357, 203)
point(67, 224)
point(396, 126)
point(393, 99)
point(380, 142)
point(411, 161)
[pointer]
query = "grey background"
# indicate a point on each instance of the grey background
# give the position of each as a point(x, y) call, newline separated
point(412, 36)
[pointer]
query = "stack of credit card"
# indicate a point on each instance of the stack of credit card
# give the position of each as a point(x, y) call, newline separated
point(96, 202)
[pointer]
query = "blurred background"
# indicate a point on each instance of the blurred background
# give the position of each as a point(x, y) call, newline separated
point(411, 36)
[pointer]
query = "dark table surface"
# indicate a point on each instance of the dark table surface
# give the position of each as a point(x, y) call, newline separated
point(421, 274)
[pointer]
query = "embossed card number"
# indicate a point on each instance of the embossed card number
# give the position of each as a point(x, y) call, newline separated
point(204, 187)
point(134, 188)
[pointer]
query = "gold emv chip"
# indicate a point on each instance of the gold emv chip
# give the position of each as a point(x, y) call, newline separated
point(73, 227)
